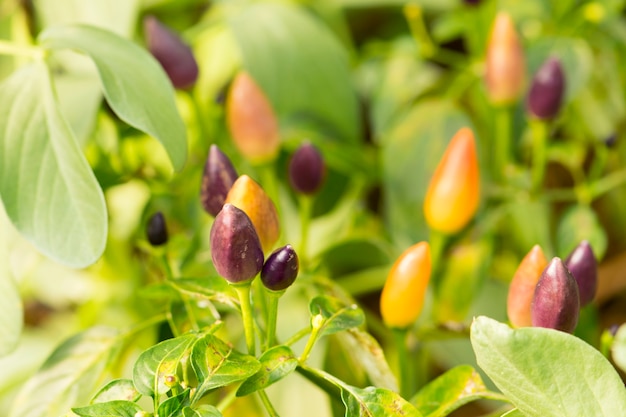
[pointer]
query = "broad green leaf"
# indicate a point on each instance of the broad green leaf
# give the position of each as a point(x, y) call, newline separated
point(547, 373)
point(300, 66)
point(217, 364)
point(173, 406)
point(452, 390)
point(618, 348)
point(337, 315)
point(159, 362)
point(109, 409)
point(513, 413)
point(580, 223)
point(47, 187)
point(203, 410)
point(11, 310)
point(69, 375)
point(411, 151)
point(118, 389)
point(134, 83)
point(276, 363)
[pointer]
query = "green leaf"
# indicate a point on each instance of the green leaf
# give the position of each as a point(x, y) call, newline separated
point(276, 363)
point(580, 223)
point(173, 406)
point(451, 391)
point(109, 409)
point(69, 375)
point(158, 362)
point(547, 373)
point(618, 348)
point(300, 66)
point(203, 410)
point(134, 83)
point(513, 413)
point(337, 315)
point(217, 364)
point(47, 187)
point(118, 389)
point(11, 310)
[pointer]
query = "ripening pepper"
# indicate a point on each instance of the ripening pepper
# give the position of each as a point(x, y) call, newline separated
point(454, 191)
point(251, 120)
point(403, 294)
point(522, 287)
point(556, 303)
point(156, 229)
point(584, 268)
point(546, 90)
point(247, 195)
point(306, 169)
point(504, 66)
point(173, 54)
point(218, 177)
point(280, 269)
point(235, 246)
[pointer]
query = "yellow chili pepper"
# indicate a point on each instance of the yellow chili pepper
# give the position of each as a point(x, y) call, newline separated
point(247, 195)
point(402, 298)
point(454, 190)
point(251, 120)
point(504, 66)
point(522, 287)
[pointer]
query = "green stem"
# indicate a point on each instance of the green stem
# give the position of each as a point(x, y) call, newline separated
point(437, 242)
point(267, 403)
point(11, 48)
point(297, 336)
point(406, 380)
point(316, 325)
point(606, 184)
point(502, 142)
point(243, 292)
point(272, 316)
point(268, 181)
point(415, 19)
point(539, 130)
point(306, 207)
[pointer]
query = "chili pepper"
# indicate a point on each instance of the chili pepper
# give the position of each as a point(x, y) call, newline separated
point(583, 266)
point(218, 177)
point(173, 54)
point(453, 194)
point(403, 294)
point(235, 246)
point(251, 120)
point(247, 195)
point(280, 269)
point(504, 66)
point(156, 229)
point(306, 169)
point(522, 287)
point(546, 90)
point(556, 303)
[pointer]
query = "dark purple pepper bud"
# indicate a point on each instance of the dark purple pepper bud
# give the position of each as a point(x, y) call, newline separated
point(218, 178)
point(156, 229)
point(235, 246)
point(584, 268)
point(611, 140)
point(556, 303)
point(173, 54)
point(280, 269)
point(306, 169)
point(546, 91)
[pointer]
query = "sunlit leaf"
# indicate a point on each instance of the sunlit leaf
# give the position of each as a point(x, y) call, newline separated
point(276, 363)
point(69, 375)
point(118, 389)
point(134, 83)
point(173, 406)
point(159, 362)
point(201, 411)
point(217, 364)
point(11, 310)
point(337, 315)
point(109, 409)
point(47, 187)
point(547, 373)
point(452, 390)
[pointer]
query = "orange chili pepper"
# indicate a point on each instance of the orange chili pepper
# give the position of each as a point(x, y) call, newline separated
point(251, 120)
point(522, 287)
point(454, 190)
point(402, 298)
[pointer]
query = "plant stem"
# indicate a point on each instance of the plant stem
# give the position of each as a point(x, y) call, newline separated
point(268, 181)
point(502, 142)
point(539, 130)
point(267, 403)
point(243, 292)
point(399, 337)
point(437, 242)
point(272, 316)
point(316, 325)
point(11, 48)
point(306, 207)
point(297, 336)
point(415, 18)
